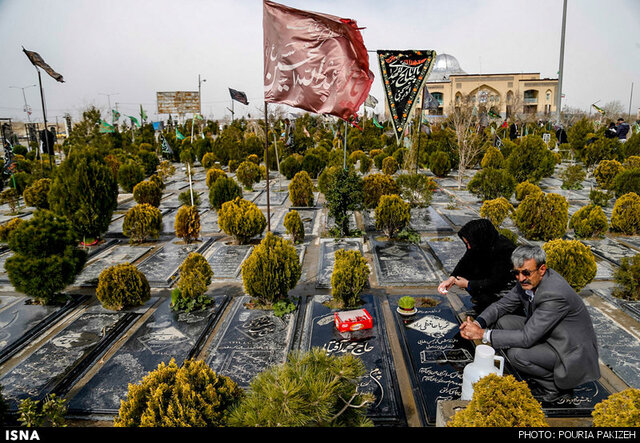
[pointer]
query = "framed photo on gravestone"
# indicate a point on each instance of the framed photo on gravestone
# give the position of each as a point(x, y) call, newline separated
point(370, 345)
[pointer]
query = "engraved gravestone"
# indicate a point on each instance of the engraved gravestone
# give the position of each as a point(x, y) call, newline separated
point(328, 248)
point(116, 255)
point(161, 267)
point(276, 198)
point(209, 222)
point(165, 335)
point(448, 250)
point(226, 260)
point(428, 220)
point(115, 228)
point(369, 345)
point(399, 263)
point(250, 341)
point(460, 216)
point(308, 217)
point(610, 249)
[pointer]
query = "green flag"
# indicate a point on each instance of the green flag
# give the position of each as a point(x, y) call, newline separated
point(133, 120)
point(198, 116)
point(599, 109)
point(143, 115)
point(115, 114)
point(178, 135)
point(106, 127)
point(375, 122)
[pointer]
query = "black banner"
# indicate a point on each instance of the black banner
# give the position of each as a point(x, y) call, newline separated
point(403, 75)
point(239, 96)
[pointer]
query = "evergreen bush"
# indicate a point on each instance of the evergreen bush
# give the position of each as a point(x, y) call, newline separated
point(493, 158)
point(349, 278)
point(291, 165)
point(326, 178)
point(122, 286)
point(573, 260)
point(195, 277)
point(416, 189)
point(214, 174)
point(632, 162)
point(301, 190)
point(439, 163)
point(621, 409)
point(497, 210)
point(147, 192)
point(601, 149)
point(599, 198)
point(589, 221)
point(294, 226)
point(392, 215)
point(149, 160)
point(7, 228)
point(531, 160)
point(142, 222)
point(490, 183)
point(312, 164)
point(500, 401)
point(389, 166)
point(627, 278)
point(627, 181)
point(542, 216)
point(573, 176)
point(185, 198)
point(375, 186)
point(191, 395)
point(272, 270)
point(129, 175)
point(11, 197)
point(45, 258)
point(187, 223)
point(241, 219)
point(625, 217)
point(224, 189)
point(208, 160)
point(248, 173)
point(606, 172)
point(344, 196)
point(37, 195)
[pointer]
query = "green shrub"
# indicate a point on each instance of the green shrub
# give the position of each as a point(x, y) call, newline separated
point(129, 175)
point(375, 186)
point(147, 192)
point(50, 414)
point(149, 160)
point(389, 166)
point(493, 158)
point(589, 221)
point(37, 195)
point(573, 260)
point(253, 158)
point(531, 160)
point(7, 228)
point(578, 133)
point(155, 178)
point(500, 401)
point(407, 302)
point(191, 395)
point(627, 181)
point(416, 189)
point(606, 172)
point(291, 165)
point(301, 190)
point(344, 196)
point(326, 178)
point(627, 278)
point(184, 198)
point(378, 159)
point(542, 216)
point(187, 223)
point(195, 277)
point(525, 188)
point(122, 286)
point(496, 210)
point(599, 198)
point(632, 162)
point(272, 270)
point(312, 164)
point(509, 234)
point(490, 183)
point(601, 149)
point(233, 165)
point(248, 173)
point(241, 219)
point(621, 409)
point(626, 214)
point(349, 278)
point(214, 174)
point(208, 160)
point(573, 176)
point(223, 190)
point(294, 226)
point(309, 390)
point(142, 222)
point(11, 197)
point(392, 214)
point(439, 163)
point(45, 258)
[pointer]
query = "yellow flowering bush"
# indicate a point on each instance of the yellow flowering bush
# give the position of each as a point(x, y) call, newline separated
point(625, 217)
point(621, 409)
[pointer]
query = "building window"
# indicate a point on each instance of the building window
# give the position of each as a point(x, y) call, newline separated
point(548, 95)
point(438, 96)
point(530, 97)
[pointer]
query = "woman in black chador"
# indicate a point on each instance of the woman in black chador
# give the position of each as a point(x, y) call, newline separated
point(485, 269)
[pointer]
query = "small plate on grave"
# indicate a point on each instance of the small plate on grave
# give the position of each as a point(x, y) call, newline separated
point(406, 312)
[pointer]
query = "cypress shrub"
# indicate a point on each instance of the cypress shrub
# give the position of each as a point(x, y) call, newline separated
point(573, 260)
point(147, 191)
point(190, 395)
point(185, 198)
point(392, 215)
point(627, 278)
point(248, 173)
point(573, 176)
point(542, 216)
point(389, 166)
point(626, 214)
point(214, 174)
point(627, 181)
point(129, 175)
point(490, 183)
point(37, 195)
point(272, 270)
point(224, 189)
point(142, 222)
point(208, 160)
point(45, 258)
point(253, 158)
point(601, 149)
point(600, 198)
point(378, 159)
point(294, 226)
point(326, 178)
point(187, 223)
point(349, 278)
point(496, 210)
point(492, 158)
point(606, 172)
point(632, 162)
point(291, 165)
point(416, 189)
point(122, 286)
point(589, 221)
point(195, 277)
point(312, 164)
point(149, 160)
point(344, 196)
point(301, 190)
point(439, 163)
point(621, 409)
point(7, 228)
point(11, 197)
point(531, 160)
point(241, 219)
point(375, 186)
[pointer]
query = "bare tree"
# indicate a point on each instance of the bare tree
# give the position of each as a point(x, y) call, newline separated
point(464, 121)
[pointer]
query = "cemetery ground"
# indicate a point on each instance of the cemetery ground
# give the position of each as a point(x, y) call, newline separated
point(89, 355)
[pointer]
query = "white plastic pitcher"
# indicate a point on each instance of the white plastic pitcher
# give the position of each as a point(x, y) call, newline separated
point(483, 364)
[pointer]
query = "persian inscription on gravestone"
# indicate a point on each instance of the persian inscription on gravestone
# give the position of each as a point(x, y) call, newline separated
point(328, 248)
point(428, 220)
point(226, 260)
point(403, 263)
point(448, 250)
point(116, 255)
point(275, 198)
point(162, 266)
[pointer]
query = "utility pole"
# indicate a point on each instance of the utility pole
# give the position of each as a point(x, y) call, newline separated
point(560, 70)
point(108, 98)
point(200, 96)
point(27, 109)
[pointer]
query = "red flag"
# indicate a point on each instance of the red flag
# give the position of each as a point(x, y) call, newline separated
point(313, 61)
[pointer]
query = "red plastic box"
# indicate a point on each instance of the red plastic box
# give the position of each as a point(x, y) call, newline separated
point(353, 320)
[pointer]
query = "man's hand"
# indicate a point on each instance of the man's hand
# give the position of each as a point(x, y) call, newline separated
point(471, 330)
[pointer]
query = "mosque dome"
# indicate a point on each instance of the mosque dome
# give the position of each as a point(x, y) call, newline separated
point(444, 66)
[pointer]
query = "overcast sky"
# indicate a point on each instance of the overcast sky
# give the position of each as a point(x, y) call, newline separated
point(124, 51)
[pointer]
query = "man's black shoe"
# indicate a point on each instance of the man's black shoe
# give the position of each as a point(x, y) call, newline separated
point(552, 396)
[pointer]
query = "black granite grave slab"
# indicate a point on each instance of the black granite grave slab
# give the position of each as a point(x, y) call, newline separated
point(458, 217)
point(610, 249)
point(164, 336)
point(428, 220)
point(4, 277)
point(370, 345)
point(308, 217)
point(404, 264)
point(226, 260)
point(249, 341)
point(328, 248)
point(276, 198)
point(115, 255)
point(161, 267)
point(435, 352)
point(22, 321)
point(53, 367)
point(448, 251)
point(209, 222)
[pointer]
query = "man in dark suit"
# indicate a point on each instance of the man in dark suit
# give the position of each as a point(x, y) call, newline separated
point(554, 344)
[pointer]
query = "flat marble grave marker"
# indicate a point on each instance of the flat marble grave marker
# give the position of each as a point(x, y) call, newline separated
point(436, 353)
point(458, 217)
point(276, 198)
point(448, 250)
point(249, 341)
point(610, 249)
point(308, 217)
point(164, 336)
point(328, 248)
point(226, 260)
point(404, 264)
point(428, 220)
point(63, 358)
point(370, 345)
point(113, 256)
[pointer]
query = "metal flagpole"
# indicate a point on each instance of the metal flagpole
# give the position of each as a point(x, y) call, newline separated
point(630, 98)
point(44, 119)
point(344, 161)
point(561, 68)
point(266, 159)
